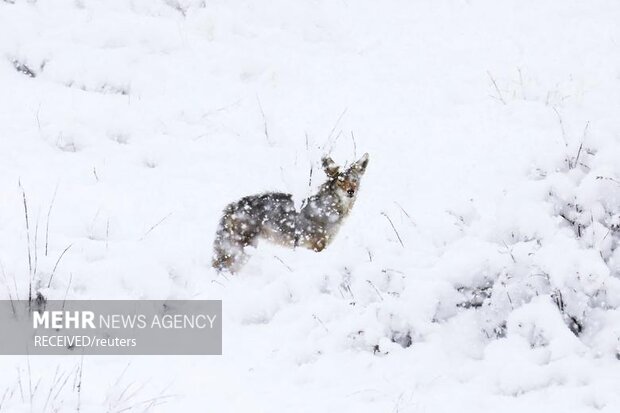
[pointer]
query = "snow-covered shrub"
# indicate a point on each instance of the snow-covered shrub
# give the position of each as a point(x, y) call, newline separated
point(545, 267)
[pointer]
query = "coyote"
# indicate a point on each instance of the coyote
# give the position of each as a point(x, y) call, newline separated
point(272, 216)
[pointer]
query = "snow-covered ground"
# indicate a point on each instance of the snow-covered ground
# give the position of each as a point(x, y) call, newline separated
point(494, 137)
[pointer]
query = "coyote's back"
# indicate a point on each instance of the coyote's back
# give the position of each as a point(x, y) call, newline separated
point(273, 216)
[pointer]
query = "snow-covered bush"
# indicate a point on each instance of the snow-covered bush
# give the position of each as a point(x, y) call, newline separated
point(550, 255)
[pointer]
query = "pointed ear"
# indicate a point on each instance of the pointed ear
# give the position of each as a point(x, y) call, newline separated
point(330, 167)
point(360, 165)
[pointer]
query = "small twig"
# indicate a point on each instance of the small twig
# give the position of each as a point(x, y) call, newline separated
point(607, 178)
point(107, 233)
point(561, 126)
point(606, 235)
point(53, 385)
point(8, 289)
point(56, 265)
point(67, 290)
point(583, 165)
point(310, 177)
point(394, 228)
point(262, 112)
point(585, 131)
point(15, 287)
point(155, 401)
point(510, 299)
point(155, 226)
point(47, 222)
point(521, 83)
point(320, 321)
point(36, 116)
point(79, 385)
point(29, 378)
point(336, 124)
point(405, 212)
point(354, 146)
point(305, 201)
point(386, 271)
point(346, 287)
point(6, 391)
point(283, 263)
point(28, 240)
point(499, 93)
point(544, 275)
point(217, 282)
point(62, 386)
point(568, 219)
point(126, 395)
point(376, 289)
point(19, 381)
point(509, 251)
point(332, 132)
point(36, 241)
point(120, 377)
point(574, 164)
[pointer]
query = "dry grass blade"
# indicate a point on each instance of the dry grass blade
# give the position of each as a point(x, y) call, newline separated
point(561, 126)
point(262, 112)
point(47, 222)
point(499, 92)
point(283, 263)
point(406, 214)
point(28, 240)
point(155, 226)
point(56, 265)
point(394, 228)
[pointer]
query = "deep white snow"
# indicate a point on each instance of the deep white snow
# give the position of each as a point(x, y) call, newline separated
point(493, 129)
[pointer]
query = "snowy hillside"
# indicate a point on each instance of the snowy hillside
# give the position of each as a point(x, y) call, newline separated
point(479, 269)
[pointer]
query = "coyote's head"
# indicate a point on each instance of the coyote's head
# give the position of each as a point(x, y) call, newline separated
point(345, 183)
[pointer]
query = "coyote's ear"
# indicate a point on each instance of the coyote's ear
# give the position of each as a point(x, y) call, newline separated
point(330, 167)
point(360, 165)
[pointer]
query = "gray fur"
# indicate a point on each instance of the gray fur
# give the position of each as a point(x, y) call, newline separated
point(272, 216)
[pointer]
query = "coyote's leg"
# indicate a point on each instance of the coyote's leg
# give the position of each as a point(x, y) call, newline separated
point(317, 244)
point(316, 240)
